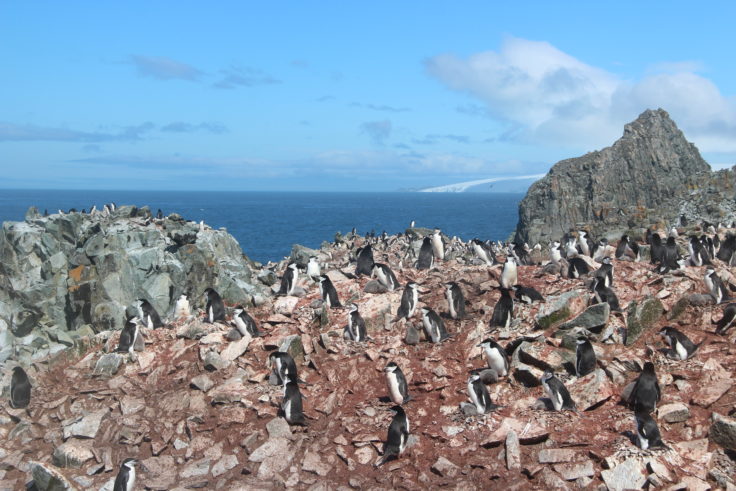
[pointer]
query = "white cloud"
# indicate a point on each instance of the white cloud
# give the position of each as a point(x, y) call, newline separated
point(548, 96)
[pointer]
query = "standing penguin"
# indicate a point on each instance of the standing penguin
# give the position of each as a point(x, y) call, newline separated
point(605, 273)
point(577, 267)
point(398, 390)
point(647, 431)
point(356, 325)
point(729, 315)
point(125, 480)
point(328, 292)
point(715, 286)
point(681, 346)
point(291, 404)
point(627, 249)
point(289, 280)
point(244, 323)
point(182, 308)
point(557, 392)
point(426, 255)
point(656, 250)
point(434, 327)
point(147, 313)
point(455, 300)
point(603, 294)
point(398, 436)
point(698, 253)
point(20, 389)
point(215, 308)
point(409, 300)
point(128, 336)
point(438, 247)
point(496, 356)
point(503, 312)
point(364, 261)
point(585, 358)
point(313, 270)
point(527, 294)
point(670, 256)
point(385, 276)
point(282, 363)
point(646, 394)
point(509, 274)
point(479, 395)
point(483, 251)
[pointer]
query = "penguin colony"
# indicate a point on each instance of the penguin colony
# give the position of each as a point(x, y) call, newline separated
point(575, 256)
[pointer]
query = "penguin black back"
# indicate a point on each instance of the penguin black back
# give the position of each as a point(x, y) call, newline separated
point(20, 389)
point(646, 393)
point(215, 308)
point(398, 436)
point(426, 254)
point(503, 312)
point(149, 315)
point(364, 261)
point(585, 358)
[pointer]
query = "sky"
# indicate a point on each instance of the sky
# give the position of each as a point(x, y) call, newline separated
point(347, 96)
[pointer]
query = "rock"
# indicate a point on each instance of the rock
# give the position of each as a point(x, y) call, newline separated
point(160, 471)
point(279, 428)
point(723, 431)
point(86, 426)
point(275, 456)
point(108, 364)
point(285, 305)
point(412, 335)
point(131, 405)
point(550, 480)
point(572, 472)
point(71, 454)
point(714, 383)
point(375, 287)
point(223, 465)
point(611, 189)
point(313, 463)
point(627, 475)
point(513, 452)
point(559, 309)
point(674, 412)
point(301, 254)
point(202, 382)
point(445, 468)
point(593, 317)
point(528, 432)
point(640, 316)
point(293, 345)
point(556, 455)
point(488, 376)
point(236, 348)
point(213, 361)
point(48, 478)
point(195, 469)
point(592, 390)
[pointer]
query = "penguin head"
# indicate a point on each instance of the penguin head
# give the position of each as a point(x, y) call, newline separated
point(474, 377)
point(548, 375)
point(135, 320)
point(130, 463)
point(648, 368)
point(391, 367)
point(353, 307)
point(238, 310)
point(487, 343)
point(292, 266)
point(511, 261)
point(436, 232)
point(555, 245)
point(606, 260)
point(413, 285)
point(581, 340)
point(449, 286)
point(397, 409)
point(709, 272)
point(426, 310)
point(18, 371)
point(323, 278)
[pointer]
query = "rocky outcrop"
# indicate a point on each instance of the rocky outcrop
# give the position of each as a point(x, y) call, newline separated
point(652, 175)
point(69, 275)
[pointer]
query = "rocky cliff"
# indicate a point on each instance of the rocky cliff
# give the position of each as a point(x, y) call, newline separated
point(651, 176)
point(67, 276)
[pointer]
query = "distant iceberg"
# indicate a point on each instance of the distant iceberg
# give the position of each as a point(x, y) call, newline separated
point(461, 187)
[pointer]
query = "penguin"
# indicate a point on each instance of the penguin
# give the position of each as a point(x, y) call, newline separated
point(385, 276)
point(647, 431)
point(20, 389)
point(682, 347)
point(674, 233)
point(729, 315)
point(356, 325)
point(398, 390)
point(554, 252)
point(503, 312)
point(328, 292)
point(281, 363)
point(125, 480)
point(496, 356)
point(527, 294)
point(605, 272)
point(159, 214)
point(646, 394)
point(364, 259)
point(438, 247)
point(289, 280)
point(291, 404)
point(479, 395)
point(509, 273)
point(627, 249)
point(313, 270)
point(409, 300)
point(434, 327)
point(698, 254)
point(398, 436)
point(182, 308)
point(483, 251)
point(215, 308)
point(715, 286)
point(244, 323)
point(128, 336)
point(603, 294)
point(670, 256)
point(583, 244)
point(727, 249)
point(455, 300)
point(147, 313)
point(578, 267)
point(585, 358)
point(656, 249)
point(426, 255)
point(557, 392)
point(709, 246)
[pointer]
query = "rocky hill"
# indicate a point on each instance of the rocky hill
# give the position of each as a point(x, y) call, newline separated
point(64, 277)
point(649, 177)
point(198, 409)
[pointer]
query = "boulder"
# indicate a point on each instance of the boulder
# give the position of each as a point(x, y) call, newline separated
point(640, 316)
point(723, 431)
point(560, 308)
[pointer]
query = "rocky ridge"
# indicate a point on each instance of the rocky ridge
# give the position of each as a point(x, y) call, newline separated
point(651, 176)
point(198, 410)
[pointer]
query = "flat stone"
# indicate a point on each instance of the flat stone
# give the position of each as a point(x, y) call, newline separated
point(86, 426)
point(223, 465)
point(285, 305)
point(279, 428)
point(196, 469)
point(591, 390)
point(235, 349)
point(594, 316)
point(641, 316)
point(131, 405)
point(72, 454)
point(275, 456)
point(108, 364)
point(550, 480)
point(674, 412)
point(555, 455)
point(160, 471)
point(313, 463)
point(445, 468)
point(202, 382)
point(213, 361)
point(49, 478)
point(723, 431)
point(573, 471)
point(559, 309)
point(294, 346)
point(513, 452)
point(527, 431)
point(627, 475)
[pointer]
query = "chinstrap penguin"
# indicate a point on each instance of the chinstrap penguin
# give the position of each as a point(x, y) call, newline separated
point(215, 308)
point(646, 393)
point(398, 390)
point(455, 300)
point(681, 346)
point(356, 325)
point(398, 436)
point(557, 392)
point(496, 356)
point(125, 480)
point(20, 389)
point(434, 327)
point(585, 358)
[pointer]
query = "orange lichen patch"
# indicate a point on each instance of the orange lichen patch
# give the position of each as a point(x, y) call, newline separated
point(76, 273)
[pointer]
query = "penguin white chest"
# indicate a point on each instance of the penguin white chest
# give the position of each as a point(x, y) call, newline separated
point(393, 388)
point(451, 304)
point(474, 398)
point(681, 351)
point(130, 484)
point(414, 301)
point(496, 361)
point(240, 325)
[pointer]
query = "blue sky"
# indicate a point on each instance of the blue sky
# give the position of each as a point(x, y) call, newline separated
point(346, 95)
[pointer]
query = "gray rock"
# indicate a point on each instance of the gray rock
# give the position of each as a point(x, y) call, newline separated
point(513, 451)
point(574, 471)
point(48, 478)
point(559, 309)
point(627, 475)
point(108, 364)
point(613, 191)
point(445, 468)
point(278, 428)
point(300, 255)
point(72, 453)
point(313, 463)
point(293, 345)
point(213, 361)
point(412, 335)
point(641, 316)
point(556, 455)
point(196, 469)
point(374, 286)
point(202, 382)
point(86, 426)
point(674, 412)
point(723, 431)
point(594, 316)
point(223, 465)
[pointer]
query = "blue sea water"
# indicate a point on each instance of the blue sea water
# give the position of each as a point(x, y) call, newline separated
point(266, 224)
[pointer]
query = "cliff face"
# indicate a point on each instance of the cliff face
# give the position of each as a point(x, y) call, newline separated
point(63, 276)
point(650, 176)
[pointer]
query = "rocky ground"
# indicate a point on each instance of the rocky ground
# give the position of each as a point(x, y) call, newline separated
point(198, 411)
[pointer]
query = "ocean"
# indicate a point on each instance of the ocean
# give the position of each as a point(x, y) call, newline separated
point(266, 224)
